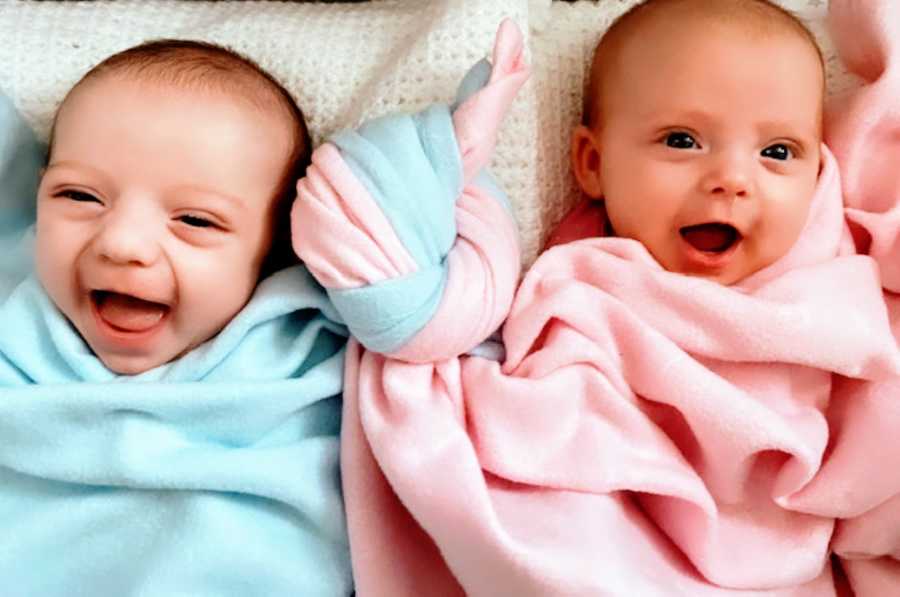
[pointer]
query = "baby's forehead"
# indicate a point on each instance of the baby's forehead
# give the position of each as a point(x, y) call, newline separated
point(123, 92)
point(199, 68)
point(756, 17)
point(239, 90)
point(644, 27)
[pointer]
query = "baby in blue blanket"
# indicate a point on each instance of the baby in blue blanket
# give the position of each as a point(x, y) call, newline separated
point(169, 384)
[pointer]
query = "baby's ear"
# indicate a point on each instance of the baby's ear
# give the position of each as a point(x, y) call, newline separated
point(586, 161)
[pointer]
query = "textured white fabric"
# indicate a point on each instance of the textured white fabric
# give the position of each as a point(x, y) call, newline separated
point(348, 62)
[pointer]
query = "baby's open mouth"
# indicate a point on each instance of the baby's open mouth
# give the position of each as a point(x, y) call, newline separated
point(712, 237)
point(127, 313)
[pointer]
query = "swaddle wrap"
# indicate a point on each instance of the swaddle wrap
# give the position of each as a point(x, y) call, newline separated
point(643, 437)
point(215, 474)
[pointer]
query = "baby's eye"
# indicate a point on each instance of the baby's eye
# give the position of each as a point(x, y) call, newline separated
point(196, 222)
point(778, 151)
point(680, 140)
point(79, 196)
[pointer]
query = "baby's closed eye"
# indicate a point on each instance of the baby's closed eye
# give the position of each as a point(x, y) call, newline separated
point(79, 196)
point(195, 221)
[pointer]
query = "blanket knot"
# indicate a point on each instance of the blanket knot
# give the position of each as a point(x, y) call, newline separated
point(405, 228)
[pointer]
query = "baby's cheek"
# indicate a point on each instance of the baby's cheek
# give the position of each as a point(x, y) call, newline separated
point(210, 297)
point(796, 214)
point(779, 234)
point(50, 257)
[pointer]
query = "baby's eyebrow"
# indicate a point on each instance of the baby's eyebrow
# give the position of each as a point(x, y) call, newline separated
point(677, 115)
point(790, 124)
point(75, 168)
point(74, 172)
point(211, 194)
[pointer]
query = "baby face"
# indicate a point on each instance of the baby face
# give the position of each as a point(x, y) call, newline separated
point(707, 146)
point(154, 215)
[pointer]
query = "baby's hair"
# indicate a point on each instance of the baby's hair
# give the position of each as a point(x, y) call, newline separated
point(761, 17)
point(211, 67)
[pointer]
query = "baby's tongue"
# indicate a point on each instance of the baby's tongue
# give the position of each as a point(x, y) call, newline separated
point(712, 238)
point(128, 312)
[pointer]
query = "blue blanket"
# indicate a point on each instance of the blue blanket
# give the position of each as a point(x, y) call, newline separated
point(216, 474)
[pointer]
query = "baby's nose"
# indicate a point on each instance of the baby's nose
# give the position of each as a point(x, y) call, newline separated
point(728, 176)
point(126, 237)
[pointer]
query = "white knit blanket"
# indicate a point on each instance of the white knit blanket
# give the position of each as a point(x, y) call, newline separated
point(349, 62)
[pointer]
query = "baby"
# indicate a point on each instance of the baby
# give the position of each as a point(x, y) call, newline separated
point(169, 170)
point(711, 164)
point(664, 391)
point(171, 388)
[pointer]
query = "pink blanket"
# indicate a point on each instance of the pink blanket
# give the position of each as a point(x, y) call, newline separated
point(859, 481)
point(647, 434)
point(642, 421)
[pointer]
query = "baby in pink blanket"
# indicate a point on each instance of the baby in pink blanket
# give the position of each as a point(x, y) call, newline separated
point(702, 140)
point(663, 399)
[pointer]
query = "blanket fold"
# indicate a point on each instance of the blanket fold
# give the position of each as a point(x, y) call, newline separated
point(21, 158)
point(858, 481)
point(215, 474)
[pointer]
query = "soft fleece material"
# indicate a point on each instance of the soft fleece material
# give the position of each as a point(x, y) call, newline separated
point(859, 482)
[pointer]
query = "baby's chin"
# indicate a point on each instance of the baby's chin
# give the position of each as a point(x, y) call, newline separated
point(727, 276)
point(133, 364)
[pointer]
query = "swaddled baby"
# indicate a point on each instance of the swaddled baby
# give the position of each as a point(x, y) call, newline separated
point(170, 399)
point(665, 385)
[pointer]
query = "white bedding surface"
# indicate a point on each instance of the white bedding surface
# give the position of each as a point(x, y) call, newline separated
point(348, 62)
